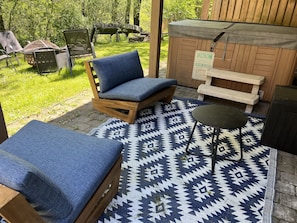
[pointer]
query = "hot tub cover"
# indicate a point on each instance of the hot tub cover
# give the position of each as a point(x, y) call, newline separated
point(243, 33)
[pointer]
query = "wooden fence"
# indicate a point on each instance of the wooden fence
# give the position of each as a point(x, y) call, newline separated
point(274, 12)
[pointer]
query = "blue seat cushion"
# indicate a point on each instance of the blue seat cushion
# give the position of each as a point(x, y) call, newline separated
point(40, 191)
point(115, 70)
point(138, 89)
point(76, 163)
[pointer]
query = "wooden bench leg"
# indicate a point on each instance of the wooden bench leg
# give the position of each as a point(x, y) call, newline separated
point(200, 97)
point(249, 108)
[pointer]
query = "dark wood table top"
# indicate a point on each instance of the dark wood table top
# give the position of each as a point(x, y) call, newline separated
point(220, 116)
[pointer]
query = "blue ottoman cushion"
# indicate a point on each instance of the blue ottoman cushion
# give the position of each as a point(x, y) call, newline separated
point(138, 89)
point(115, 70)
point(24, 177)
point(76, 163)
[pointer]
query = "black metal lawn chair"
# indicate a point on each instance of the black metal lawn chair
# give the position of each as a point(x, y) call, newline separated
point(78, 45)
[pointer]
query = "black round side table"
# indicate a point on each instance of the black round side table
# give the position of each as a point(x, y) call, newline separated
point(219, 117)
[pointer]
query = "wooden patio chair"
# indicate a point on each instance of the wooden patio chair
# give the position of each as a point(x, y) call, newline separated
point(120, 89)
point(78, 45)
point(37, 186)
point(10, 45)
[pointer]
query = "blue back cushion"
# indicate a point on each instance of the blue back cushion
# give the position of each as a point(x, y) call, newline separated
point(24, 177)
point(115, 70)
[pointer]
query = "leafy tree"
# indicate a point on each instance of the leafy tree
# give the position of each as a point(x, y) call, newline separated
point(97, 11)
point(175, 10)
point(46, 19)
point(40, 19)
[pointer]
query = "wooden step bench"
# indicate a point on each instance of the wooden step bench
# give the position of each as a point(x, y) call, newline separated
point(249, 98)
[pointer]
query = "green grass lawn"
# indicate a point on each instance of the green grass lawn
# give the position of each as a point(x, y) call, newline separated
point(24, 92)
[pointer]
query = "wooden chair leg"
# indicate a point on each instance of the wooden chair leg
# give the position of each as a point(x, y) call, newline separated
point(126, 112)
point(169, 97)
point(200, 97)
point(249, 108)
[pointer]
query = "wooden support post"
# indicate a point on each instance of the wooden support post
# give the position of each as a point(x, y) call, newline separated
point(155, 37)
point(205, 9)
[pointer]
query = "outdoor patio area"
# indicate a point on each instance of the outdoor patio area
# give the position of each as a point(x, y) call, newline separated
point(155, 144)
point(77, 114)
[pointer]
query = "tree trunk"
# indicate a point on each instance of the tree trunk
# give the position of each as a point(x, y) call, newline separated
point(11, 14)
point(2, 27)
point(50, 10)
point(127, 13)
point(136, 12)
point(114, 14)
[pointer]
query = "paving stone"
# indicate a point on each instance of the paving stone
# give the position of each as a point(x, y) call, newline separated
point(275, 220)
point(276, 197)
point(283, 221)
point(284, 213)
point(284, 167)
point(83, 127)
point(82, 119)
point(288, 158)
point(94, 115)
point(288, 201)
point(286, 188)
point(278, 175)
point(291, 178)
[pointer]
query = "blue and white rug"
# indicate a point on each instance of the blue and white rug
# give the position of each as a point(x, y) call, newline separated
point(160, 183)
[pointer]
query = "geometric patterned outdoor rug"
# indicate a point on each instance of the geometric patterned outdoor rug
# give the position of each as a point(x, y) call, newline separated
point(160, 183)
